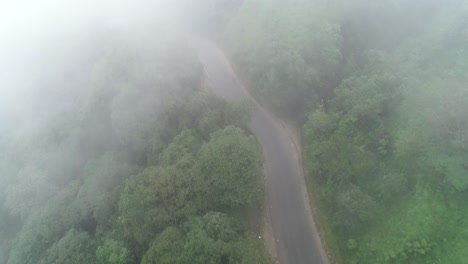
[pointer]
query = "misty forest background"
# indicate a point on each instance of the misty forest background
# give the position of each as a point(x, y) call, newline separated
point(127, 161)
point(380, 90)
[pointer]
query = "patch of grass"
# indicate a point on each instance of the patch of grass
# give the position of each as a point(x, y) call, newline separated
point(422, 228)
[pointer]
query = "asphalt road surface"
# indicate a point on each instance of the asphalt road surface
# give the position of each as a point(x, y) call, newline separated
point(294, 230)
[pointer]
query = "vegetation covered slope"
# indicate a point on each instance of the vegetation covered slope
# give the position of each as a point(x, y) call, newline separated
point(132, 165)
point(380, 89)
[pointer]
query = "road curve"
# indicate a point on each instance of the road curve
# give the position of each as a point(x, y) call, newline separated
point(297, 241)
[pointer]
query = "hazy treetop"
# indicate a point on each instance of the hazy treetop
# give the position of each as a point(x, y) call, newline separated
point(37, 37)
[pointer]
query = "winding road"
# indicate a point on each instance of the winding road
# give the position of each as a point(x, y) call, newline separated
point(294, 230)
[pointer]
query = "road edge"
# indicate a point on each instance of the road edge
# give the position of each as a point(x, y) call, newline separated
point(267, 237)
point(295, 138)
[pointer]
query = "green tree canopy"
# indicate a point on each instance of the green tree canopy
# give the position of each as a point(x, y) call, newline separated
point(74, 247)
point(166, 248)
point(112, 252)
point(230, 169)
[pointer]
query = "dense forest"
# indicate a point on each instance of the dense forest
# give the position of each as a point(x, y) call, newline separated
point(117, 157)
point(379, 91)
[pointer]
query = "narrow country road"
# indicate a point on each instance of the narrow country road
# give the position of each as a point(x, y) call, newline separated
point(297, 241)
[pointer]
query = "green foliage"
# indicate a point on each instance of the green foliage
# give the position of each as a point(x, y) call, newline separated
point(230, 169)
point(410, 250)
point(45, 228)
point(112, 252)
point(202, 114)
point(29, 192)
point(102, 184)
point(180, 152)
point(354, 208)
point(212, 238)
point(217, 226)
point(224, 174)
point(166, 248)
point(216, 238)
point(288, 53)
point(453, 168)
point(367, 100)
point(8, 228)
point(385, 94)
point(208, 241)
point(392, 185)
point(74, 247)
point(98, 176)
point(154, 199)
point(144, 74)
point(387, 152)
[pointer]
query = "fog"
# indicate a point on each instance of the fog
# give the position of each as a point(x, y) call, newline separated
point(76, 80)
point(37, 36)
point(110, 142)
point(92, 93)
